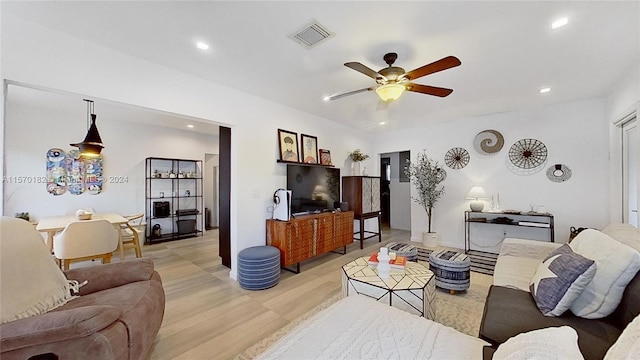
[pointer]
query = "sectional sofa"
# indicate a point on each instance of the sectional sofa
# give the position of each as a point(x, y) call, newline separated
point(511, 309)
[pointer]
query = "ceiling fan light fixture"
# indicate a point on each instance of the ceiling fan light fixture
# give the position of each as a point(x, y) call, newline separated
point(390, 92)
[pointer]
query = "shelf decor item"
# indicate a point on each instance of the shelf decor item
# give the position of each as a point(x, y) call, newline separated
point(325, 157)
point(528, 154)
point(559, 173)
point(488, 142)
point(288, 142)
point(356, 157)
point(456, 158)
point(426, 175)
point(309, 149)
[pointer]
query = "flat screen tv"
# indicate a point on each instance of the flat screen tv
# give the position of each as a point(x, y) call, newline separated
point(313, 188)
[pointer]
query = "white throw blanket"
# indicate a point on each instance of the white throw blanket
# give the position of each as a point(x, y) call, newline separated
point(30, 281)
point(358, 327)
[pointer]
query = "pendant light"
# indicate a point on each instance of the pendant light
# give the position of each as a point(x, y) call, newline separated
point(92, 144)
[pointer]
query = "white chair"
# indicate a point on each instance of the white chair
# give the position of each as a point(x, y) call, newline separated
point(85, 240)
point(132, 232)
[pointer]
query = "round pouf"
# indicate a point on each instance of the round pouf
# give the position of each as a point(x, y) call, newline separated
point(451, 268)
point(406, 250)
point(259, 267)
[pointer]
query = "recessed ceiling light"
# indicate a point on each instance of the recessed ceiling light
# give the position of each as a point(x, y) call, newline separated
point(559, 23)
point(202, 46)
point(326, 98)
point(190, 126)
point(381, 123)
point(545, 90)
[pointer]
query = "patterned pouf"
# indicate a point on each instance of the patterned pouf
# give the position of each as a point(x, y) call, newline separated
point(401, 249)
point(451, 268)
point(259, 267)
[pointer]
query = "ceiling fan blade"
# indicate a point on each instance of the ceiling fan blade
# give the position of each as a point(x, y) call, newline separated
point(364, 69)
point(434, 67)
point(429, 90)
point(338, 96)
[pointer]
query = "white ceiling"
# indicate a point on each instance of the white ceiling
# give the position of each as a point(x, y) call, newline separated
point(507, 49)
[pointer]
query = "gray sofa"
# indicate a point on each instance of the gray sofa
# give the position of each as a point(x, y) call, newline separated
point(510, 309)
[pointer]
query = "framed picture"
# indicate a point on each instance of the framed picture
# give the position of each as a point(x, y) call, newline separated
point(309, 149)
point(288, 142)
point(325, 157)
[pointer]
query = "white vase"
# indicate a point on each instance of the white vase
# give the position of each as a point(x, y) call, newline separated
point(430, 239)
point(355, 169)
point(384, 268)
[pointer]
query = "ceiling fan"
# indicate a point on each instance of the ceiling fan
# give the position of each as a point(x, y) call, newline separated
point(393, 81)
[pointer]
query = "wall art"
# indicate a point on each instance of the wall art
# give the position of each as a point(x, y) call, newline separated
point(488, 142)
point(309, 149)
point(528, 154)
point(325, 157)
point(559, 173)
point(456, 158)
point(288, 142)
point(56, 171)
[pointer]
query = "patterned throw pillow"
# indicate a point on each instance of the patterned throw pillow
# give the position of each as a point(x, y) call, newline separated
point(560, 279)
point(551, 343)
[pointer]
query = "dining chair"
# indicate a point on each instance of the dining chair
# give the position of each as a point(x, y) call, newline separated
point(85, 240)
point(132, 232)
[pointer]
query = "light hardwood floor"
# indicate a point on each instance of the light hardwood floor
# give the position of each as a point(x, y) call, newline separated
point(209, 316)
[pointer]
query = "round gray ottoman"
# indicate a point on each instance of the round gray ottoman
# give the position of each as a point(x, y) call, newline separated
point(259, 267)
point(401, 249)
point(451, 268)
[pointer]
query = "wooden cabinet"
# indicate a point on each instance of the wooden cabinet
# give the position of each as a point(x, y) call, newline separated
point(363, 195)
point(306, 236)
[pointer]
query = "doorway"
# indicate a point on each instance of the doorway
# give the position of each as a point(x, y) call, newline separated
point(385, 191)
point(630, 169)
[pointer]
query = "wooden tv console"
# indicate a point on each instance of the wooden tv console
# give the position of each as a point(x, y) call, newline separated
point(306, 236)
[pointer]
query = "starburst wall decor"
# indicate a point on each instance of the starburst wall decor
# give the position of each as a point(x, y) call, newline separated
point(456, 158)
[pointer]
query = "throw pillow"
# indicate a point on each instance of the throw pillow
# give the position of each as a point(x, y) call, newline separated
point(560, 279)
point(31, 281)
point(628, 344)
point(616, 265)
point(548, 343)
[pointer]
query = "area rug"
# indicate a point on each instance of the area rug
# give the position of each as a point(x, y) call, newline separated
point(462, 311)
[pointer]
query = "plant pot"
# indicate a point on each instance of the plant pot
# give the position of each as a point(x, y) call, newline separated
point(430, 239)
point(355, 168)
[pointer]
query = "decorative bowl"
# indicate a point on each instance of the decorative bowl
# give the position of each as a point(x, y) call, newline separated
point(84, 216)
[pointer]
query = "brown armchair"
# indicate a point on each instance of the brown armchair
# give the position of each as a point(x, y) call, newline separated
point(117, 316)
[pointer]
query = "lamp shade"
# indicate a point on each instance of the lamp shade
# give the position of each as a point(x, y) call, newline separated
point(92, 143)
point(390, 92)
point(476, 192)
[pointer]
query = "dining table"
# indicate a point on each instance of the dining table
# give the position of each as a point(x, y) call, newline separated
point(52, 225)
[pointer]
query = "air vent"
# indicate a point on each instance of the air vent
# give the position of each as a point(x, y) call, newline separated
point(311, 35)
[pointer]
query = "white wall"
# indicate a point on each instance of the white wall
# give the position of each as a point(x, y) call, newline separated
point(211, 186)
point(34, 127)
point(35, 55)
point(576, 134)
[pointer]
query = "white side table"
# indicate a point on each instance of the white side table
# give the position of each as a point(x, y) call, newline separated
point(412, 289)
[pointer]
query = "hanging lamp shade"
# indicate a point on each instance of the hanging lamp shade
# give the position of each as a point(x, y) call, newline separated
point(92, 143)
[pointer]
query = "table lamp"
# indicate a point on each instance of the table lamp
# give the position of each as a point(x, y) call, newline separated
point(476, 193)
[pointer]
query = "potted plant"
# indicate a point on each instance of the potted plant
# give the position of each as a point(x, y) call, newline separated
point(426, 175)
point(357, 156)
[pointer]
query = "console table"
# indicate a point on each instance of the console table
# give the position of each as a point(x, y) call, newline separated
point(304, 237)
point(502, 220)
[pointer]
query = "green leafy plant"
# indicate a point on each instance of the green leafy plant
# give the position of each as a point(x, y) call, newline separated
point(426, 175)
point(357, 155)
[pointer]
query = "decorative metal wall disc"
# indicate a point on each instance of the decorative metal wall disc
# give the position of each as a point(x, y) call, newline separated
point(456, 158)
point(559, 173)
point(488, 142)
point(528, 153)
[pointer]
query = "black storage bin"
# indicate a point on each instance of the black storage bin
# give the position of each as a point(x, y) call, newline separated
point(187, 226)
point(161, 209)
